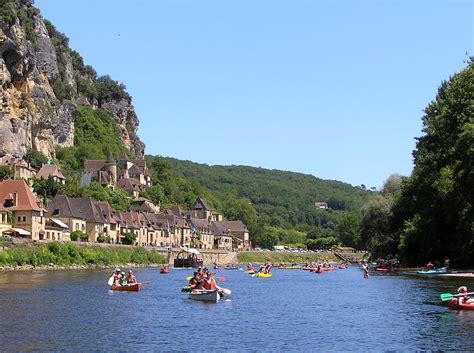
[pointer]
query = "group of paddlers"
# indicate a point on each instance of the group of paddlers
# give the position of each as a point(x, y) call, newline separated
point(203, 279)
point(120, 279)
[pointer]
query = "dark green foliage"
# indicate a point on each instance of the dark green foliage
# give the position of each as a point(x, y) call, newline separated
point(5, 173)
point(348, 229)
point(96, 127)
point(46, 189)
point(129, 238)
point(322, 243)
point(435, 210)
point(109, 89)
point(103, 239)
point(64, 254)
point(36, 158)
point(117, 199)
point(78, 235)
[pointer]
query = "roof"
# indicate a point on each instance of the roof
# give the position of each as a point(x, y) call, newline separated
point(226, 227)
point(27, 201)
point(203, 204)
point(93, 165)
point(176, 210)
point(134, 170)
point(129, 184)
point(199, 223)
point(75, 207)
point(141, 163)
point(106, 211)
point(48, 170)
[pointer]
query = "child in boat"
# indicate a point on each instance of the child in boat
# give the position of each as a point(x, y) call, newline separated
point(117, 277)
point(131, 279)
point(463, 298)
point(123, 279)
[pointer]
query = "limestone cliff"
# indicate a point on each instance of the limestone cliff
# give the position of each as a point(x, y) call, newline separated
point(42, 81)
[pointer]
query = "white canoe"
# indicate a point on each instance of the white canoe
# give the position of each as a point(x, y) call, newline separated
point(206, 296)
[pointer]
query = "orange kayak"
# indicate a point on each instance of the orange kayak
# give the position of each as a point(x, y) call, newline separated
point(128, 288)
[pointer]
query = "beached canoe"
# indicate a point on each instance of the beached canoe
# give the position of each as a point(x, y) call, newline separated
point(437, 271)
point(264, 275)
point(453, 304)
point(128, 288)
point(205, 296)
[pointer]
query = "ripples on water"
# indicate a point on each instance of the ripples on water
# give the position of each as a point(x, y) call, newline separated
point(292, 311)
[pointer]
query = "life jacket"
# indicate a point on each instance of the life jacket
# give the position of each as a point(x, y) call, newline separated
point(210, 284)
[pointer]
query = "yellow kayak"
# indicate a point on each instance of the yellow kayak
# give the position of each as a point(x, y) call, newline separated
point(264, 275)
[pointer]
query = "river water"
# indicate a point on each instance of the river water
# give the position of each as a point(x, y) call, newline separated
point(292, 311)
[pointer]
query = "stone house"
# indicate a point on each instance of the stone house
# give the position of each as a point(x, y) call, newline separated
point(79, 213)
point(235, 229)
point(27, 214)
point(202, 210)
point(53, 171)
point(20, 168)
point(56, 230)
point(202, 230)
point(131, 186)
point(111, 227)
point(100, 171)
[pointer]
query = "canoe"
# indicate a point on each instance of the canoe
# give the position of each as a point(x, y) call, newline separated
point(307, 268)
point(290, 268)
point(187, 289)
point(379, 269)
point(264, 275)
point(438, 271)
point(231, 268)
point(250, 272)
point(453, 304)
point(205, 296)
point(128, 288)
point(328, 268)
point(164, 271)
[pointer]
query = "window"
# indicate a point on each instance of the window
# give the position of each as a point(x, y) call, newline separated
point(19, 219)
point(24, 219)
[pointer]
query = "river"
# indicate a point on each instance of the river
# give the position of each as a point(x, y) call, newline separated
point(293, 311)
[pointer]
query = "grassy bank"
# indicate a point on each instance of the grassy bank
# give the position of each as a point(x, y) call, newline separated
point(288, 257)
point(68, 254)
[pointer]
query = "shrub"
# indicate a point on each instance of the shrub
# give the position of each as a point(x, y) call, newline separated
point(78, 235)
point(129, 238)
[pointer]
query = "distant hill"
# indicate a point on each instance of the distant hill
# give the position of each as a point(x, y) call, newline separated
point(282, 198)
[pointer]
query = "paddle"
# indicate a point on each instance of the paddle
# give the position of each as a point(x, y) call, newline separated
point(111, 280)
point(224, 290)
point(448, 296)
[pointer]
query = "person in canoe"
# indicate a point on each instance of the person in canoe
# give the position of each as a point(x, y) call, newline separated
point(430, 266)
point(210, 282)
point(250, 267)
point(117, 277)
point(131, 279)
point(123, 279)
point(463, 298)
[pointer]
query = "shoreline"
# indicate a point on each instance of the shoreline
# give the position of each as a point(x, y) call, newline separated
point(73, 267)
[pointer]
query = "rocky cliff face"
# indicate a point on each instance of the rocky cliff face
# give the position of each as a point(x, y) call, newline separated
point(42, 81)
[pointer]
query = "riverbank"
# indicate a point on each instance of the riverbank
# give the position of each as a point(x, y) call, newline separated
point(287, 257)
point(57, 255)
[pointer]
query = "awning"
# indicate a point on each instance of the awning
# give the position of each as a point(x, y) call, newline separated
point(59, 223)
point(21, 231)
point(192, 251)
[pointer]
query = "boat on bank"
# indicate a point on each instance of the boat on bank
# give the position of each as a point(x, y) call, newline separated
point(135, 287)
point(205, 296)
point(436, 271)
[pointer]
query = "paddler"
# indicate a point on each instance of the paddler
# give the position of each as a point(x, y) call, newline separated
point(463, 298)
point(131, 279)
point(117, 277)
point(123, 279)
point(209, 282)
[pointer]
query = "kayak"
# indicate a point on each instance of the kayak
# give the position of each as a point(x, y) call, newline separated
point(128, 288)
point(290, 268)
point(264, 275)
point(204, 295)
point(187, 289)
point(328, 268)
point(453, 304)
point(250, 272)
point(230, 268)
point(438, 271)
point(307, 268)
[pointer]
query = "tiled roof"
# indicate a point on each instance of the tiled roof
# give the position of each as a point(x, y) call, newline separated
point(203, 203)
point(129, 184)
point(49, 170)
point(75, 207)
point(93, 165)
point(26, 199)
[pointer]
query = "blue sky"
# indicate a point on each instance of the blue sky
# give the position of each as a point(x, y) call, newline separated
point(334, 89)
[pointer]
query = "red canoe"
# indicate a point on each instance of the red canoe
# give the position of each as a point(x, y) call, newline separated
point(453, 304)
point(128, 288)
point(383, 270)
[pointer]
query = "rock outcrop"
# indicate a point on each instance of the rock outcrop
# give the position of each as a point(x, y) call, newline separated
point(42, 81)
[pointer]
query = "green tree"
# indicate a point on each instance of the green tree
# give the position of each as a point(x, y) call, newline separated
point(35, 158)
point(5, 173)
point(348, 229)
point(129, 238)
